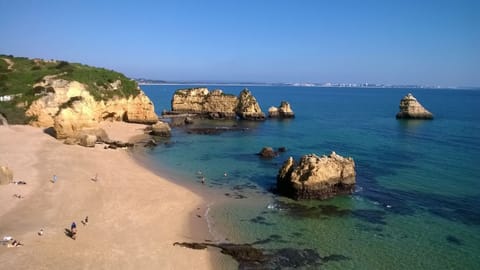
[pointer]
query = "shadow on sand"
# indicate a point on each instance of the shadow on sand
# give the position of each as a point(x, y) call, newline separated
point(70, 234)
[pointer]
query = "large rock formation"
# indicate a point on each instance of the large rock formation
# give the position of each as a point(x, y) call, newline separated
point(216, 104)
point(200, 101)
point(410, 108)
point(282, 111)
point(248, 107)
point(69, 107)
point(317, 177)
point(161, 129)
point(6, 175)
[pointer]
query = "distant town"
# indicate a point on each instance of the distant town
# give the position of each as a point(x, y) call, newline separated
point(143, 81)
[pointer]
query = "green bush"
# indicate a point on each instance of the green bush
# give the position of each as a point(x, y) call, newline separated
point(27, 72)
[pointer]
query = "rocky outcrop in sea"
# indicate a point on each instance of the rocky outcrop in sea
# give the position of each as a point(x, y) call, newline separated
point(248, 108)
point(216, 104)
point(282, 111)
point(316, 177)
point(410, 108)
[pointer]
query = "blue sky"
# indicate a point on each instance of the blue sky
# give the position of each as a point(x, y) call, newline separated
point(393, 42)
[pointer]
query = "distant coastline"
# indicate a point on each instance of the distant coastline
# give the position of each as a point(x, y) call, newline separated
point(142, 81)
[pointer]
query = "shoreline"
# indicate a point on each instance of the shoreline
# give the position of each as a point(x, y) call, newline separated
point(135, 214)
point(204, 191)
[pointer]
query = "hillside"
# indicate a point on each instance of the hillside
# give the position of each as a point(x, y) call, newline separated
point(18, 76)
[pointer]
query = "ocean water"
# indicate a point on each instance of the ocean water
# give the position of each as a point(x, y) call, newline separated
point(417, 198)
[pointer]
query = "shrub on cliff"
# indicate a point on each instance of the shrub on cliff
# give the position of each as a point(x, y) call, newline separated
point(17, 81)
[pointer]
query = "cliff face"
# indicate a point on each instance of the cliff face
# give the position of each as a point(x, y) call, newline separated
point(410, 108)
point(216, 104)
point(317, 177)
point(248, 107)
point(201, 101)
point(69, 107)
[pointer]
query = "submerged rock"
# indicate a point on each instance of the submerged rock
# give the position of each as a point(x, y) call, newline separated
point(267, 152)
point(282, 111)
point(410, 108)
point(250, 257)
point(213, 130)
point(317, 177)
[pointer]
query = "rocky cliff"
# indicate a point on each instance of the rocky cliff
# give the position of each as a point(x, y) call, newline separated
point(317, 177)
point(248, 107)
point(282, 111)
point(216, 104)
point(410, 108)
point(69, 107)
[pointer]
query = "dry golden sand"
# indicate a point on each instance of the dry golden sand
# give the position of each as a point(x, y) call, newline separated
point(134, 215)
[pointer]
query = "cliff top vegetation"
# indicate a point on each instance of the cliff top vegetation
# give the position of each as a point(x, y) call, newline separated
point(19, 74)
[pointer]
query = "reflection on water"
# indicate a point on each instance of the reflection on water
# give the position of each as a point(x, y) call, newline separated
point(410, 124)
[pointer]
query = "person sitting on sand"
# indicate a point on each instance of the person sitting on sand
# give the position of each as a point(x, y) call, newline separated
point(20, 182)
point(85, 221)
point(15, 243)
point(40, 233)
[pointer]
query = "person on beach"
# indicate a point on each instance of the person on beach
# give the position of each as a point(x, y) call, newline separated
point(54, 178)
point(73, 230)
point(85, 221)
point(15, 243)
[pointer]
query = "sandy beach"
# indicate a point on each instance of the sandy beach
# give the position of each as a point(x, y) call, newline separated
point(134, 215)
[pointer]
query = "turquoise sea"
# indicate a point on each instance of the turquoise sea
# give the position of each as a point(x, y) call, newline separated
point(417, 199)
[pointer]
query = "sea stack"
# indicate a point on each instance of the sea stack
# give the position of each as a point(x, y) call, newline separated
point(216, 104)
point(317, 177)
point(410, 108)
point(282, 111)
point(248, 107)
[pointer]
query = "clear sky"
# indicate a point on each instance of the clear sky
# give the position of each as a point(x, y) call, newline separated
point(387, 41)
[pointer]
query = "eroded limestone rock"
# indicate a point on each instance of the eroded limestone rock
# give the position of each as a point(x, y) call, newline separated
point(248, 107)
point(216, 104)
point(69, 107)
point(410, 108)
point(161, 129)
point(282, 111)
point(317, 177)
